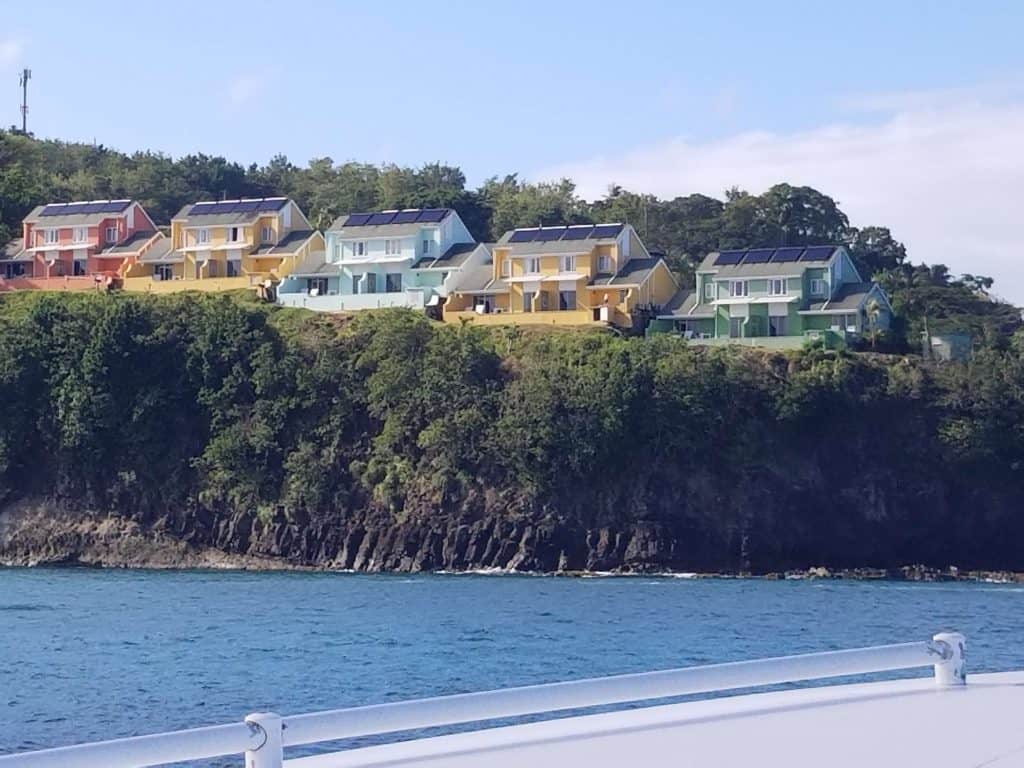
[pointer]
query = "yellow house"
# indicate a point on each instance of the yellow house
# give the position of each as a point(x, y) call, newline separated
point(228, 244)
point(570, 275)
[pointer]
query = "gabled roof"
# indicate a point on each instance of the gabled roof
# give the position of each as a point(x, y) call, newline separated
point(131, 244)
point(15, 251)
point(290, 243)
point(161, 253)
point(316, 265)
point(766, 262)
point(542, 241)
point(684, 305)
point(219, 213)
point(453, 258)
point(392, 223)
point(633, 272)
point(848, 298)
point(77, 214)
point(480, 279)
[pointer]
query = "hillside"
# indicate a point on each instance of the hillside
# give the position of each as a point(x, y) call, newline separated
point(208, 429)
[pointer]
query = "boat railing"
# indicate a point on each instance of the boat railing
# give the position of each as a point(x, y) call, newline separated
point(262, 737)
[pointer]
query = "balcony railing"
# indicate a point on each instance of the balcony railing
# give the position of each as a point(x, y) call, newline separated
point(263, 736)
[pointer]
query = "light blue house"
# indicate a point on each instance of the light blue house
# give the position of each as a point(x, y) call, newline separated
point(401, 258)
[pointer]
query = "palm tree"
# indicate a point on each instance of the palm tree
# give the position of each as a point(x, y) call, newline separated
point(874, 313)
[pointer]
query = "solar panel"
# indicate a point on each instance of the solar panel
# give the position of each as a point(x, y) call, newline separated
point(272, 205)
point(728, 258)
point(758, 256)
point(550, 233)
point(200, 209)
point(75, 208)
point(93, 207)
point(52, 209)
point(357, 219)
point(381, 218)
point(577, 233)
point(817, 253)
point(523, 236)
point(432, 214)
point(248, 205)
point(606, 230)
point(782, 255)
point(115, 206)
point(407, 217)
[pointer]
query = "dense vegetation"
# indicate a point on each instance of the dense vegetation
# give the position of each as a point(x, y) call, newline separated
point(685, 228)
point(280, 432)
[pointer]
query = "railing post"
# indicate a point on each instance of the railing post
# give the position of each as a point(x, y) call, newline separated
point(270, 754)
point(951, 669)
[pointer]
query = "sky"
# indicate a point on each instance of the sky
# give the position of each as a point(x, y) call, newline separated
point(910, 114)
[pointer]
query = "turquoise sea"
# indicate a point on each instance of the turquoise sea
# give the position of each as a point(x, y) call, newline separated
point(93, 654)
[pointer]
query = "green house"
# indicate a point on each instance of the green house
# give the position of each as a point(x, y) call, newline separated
point(777, 297)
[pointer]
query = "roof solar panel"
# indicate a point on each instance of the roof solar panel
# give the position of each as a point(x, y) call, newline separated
point(782, 255)
point(550, 233)
point(357, 219)
point(577, 233)
point(728, 258)
point(273, 205)
point(407, 217)
point(200, 209)
point(817, 253)
point(606, 230)
point(381, 218)
point(523, 236)
point(758, 256)
point(93, 207)
point(115, 206)
point(52, 210)
point(432, 214)
point(249, 205)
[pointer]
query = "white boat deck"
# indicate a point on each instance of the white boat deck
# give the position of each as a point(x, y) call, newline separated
point(906, 723)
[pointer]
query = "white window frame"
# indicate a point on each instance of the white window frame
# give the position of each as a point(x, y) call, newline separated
point(604, 263)
point(110, 238)
point(51, 237)
point(709, 289)
point(266, 234)
point(568, 263)
point(232, 234)
point(359, 248)
point(80, 235)
point(533, 265)
point(777, 286)
point(163, 272)
point(817, 286)
point(392, 247)
point(426, 246)
point(739, 289)
point(202, 236)
point(506, 267)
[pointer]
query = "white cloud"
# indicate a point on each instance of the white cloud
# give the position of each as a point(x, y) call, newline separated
point(10, 51)
point(943, 169)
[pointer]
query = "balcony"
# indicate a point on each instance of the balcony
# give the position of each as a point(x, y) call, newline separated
point(412, 298)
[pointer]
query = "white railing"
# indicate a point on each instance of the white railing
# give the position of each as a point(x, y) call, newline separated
point(263, 736)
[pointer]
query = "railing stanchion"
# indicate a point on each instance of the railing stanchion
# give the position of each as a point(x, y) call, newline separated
point(951, 669)
point(269, 754)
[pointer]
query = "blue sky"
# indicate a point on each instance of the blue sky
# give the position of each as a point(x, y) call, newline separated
point(898, 110)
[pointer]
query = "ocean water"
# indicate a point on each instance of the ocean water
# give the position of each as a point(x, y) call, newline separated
point(92, 654)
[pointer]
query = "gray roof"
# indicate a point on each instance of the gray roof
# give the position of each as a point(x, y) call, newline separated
point(223, 219)
point(316, 265)
point(684, 305)
point(290, 243)
point(453, 258)
point(130, 245)
point(480, 279)
point(760, 270)
point(71, 220)
point(15, 251)
point(161, 252)
point(633, 272)
point(847, 299)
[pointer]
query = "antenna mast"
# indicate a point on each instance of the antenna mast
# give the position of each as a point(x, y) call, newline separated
point(26, 75)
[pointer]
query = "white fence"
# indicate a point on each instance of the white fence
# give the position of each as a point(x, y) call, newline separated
point(411, 297)
point(263, 737)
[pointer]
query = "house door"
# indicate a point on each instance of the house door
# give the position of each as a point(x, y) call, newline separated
point(528, 301)
point(736, 327)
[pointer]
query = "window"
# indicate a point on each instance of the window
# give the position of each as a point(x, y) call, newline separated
point(81, 235)
point(14, 269)
point(709, 289)
point(202, 236)
point(778, 326)
point(566, 300)
point(111, 234)
point(604, 263)
point(622, 296)
point(736, 327)
point(316, 286)
point(533, 265)
point(568, 263)
point(267, 235)
point(79, 267)
point(393, 247)
point(370, 284)
point(337, 252)
point(506, 267)
point(163, 272)
point(234, 267)
point(393, 282)
point(527, 301)
point(777, 287)
point(426, 247)
point(739, 288)
point(232, 234)
point(355, 283)
point(50, 236)
point(817, 287)
point(360, 248)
